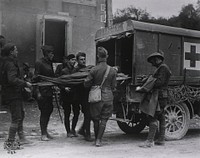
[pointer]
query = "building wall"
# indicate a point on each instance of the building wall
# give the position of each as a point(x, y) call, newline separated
point(85, 25)
point(19, 20)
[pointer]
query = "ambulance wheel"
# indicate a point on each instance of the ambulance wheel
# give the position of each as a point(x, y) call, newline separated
point(177, 118)
point(132, 127)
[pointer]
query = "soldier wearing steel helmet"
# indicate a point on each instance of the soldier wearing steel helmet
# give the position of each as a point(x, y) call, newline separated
point(162, 75)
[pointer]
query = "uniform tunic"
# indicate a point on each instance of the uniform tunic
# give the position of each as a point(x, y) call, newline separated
point(102, 109)
point(12, 89)
point(12, 95)
point(44, 67)
point(156, 99)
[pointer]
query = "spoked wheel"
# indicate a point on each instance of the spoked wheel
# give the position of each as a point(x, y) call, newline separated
point(177, 118)
point(133, 127)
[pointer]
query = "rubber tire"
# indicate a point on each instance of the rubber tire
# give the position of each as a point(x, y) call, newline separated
point(181, 110)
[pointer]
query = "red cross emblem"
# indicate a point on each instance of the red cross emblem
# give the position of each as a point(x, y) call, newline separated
point(192, 56)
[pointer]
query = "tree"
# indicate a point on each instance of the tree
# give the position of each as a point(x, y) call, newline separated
point(131, 13)
point(189, 18)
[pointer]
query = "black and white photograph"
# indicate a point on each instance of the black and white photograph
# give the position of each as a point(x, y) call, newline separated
point(99, 78)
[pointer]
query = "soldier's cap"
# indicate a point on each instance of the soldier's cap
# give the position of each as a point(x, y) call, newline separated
point(80, 54)
point(70, 56)
point(7, 48)
point(155, 54)
point(47, 48)
point(102, 52)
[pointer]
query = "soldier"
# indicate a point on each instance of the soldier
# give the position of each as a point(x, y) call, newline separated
point(161, 75)
point(45, 93)
point(67, 97)
point(101, 111)
point(12, 94)
point(60, 67)
point(81, 97)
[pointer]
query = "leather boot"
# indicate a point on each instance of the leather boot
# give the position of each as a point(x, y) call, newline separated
point(12, 132)
point(147, 144)
point(67, 124)
point(22, 138)
point(161, 134)
point(81, 131)
point(43, 126)
point(44, 138)
point(96, 128)
point(49, 136)
point(100, 135)
point(87, 130)
point(98, 143)
point(73, 132)
point(150, 138)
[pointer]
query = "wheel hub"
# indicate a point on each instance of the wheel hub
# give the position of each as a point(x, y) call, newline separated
point(172, 117)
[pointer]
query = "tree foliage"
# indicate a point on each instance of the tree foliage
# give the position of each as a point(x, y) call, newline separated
point(130, 13)
point(189, 16)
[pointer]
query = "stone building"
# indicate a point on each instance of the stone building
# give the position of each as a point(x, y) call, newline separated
point(68, 25)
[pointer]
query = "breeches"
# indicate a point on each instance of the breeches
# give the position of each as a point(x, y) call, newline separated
point(17, 112)
point(101, 110)
point(159, 115)
point(45, 105)
point(46, 108)
point(85, 108)
point(68, 106)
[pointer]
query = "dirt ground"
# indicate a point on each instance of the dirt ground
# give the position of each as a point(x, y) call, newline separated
point(116, 144)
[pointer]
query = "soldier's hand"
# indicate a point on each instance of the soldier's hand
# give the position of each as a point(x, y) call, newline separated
point(67, 89)
point(56, 88)
point(138, 89)
point(39, 96)
point(28, 84)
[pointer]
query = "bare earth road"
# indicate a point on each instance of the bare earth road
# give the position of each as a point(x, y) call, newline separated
point(116, 144)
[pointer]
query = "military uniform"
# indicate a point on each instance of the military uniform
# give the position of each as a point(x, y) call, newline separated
point(44, 67)
point(81, 98)
point(67, 99)
point(162, 76)
point(12, 94)
point(101, 111)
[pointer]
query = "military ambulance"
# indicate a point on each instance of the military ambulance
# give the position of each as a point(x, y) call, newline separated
point(129, 44)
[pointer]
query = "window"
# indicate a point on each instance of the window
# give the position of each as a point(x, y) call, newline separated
point(103, 18)
point(103, 7)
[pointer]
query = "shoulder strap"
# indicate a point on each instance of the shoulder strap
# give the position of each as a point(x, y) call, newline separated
point(156, 70)
point(105, 75)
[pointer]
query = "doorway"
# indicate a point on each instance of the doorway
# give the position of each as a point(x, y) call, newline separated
point(55, 36)
point(120, 53)
point(55, 30)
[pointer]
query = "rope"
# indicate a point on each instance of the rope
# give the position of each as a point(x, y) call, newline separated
point(182, 93)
